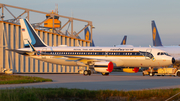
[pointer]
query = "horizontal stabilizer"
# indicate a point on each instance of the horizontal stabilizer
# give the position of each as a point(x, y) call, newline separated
point(22, 52)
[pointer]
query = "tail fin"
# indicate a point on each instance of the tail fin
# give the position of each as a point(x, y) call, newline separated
point(88, 36)
point(124, 40)
point(155, 35)
point(30, 34)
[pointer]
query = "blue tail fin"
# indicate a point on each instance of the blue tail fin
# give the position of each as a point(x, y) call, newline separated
point(30, 34)
point(87, 34)
point(124, 40)
point(155, 35)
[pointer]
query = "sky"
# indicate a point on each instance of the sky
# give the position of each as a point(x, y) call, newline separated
point(113, 19)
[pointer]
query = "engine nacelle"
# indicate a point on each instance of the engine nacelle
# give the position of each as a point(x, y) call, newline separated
point(131, 70)
point(105, 67)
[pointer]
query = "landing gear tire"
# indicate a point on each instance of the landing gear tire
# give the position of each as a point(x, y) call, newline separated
point(87, 72)
point(178, 74)
point(151, 74)
point(105, 74)
point(143, 74)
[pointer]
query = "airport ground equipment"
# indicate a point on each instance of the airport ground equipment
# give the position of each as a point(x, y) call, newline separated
point(162, 71)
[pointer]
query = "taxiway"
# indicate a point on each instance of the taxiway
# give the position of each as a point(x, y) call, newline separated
point(115, 81)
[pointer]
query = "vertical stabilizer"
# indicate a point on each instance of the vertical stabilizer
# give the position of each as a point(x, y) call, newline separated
point(88, 36)
point(124, 40)
point(30, 34)
point(155, 35)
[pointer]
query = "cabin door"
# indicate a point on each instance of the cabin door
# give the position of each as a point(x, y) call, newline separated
point(147, 54)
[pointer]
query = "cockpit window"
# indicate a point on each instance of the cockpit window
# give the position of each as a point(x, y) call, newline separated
point(163, 53)
point(167, 54)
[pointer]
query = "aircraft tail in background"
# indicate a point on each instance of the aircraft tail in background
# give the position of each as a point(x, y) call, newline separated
point(87, 34)
point(124, 40)
point(155, 35)
point(29, 34)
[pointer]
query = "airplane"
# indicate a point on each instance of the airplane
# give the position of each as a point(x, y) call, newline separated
point(171, 50)
point(101, 59)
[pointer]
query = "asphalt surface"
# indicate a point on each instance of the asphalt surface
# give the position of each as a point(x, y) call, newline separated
point(115, 81)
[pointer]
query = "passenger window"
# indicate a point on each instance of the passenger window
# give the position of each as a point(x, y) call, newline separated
point(158, 53)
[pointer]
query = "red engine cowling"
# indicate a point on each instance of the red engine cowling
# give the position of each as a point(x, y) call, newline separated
point(105, 67)
point(136, 69)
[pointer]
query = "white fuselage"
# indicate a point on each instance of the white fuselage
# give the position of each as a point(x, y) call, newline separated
point(120, 56)
point(174, 51)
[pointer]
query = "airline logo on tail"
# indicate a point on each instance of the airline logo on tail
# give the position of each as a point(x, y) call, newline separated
point(124, 40)
point(88, 36)
point(155, 35)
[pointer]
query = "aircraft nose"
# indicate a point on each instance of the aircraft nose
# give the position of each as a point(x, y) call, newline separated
point(173, 60)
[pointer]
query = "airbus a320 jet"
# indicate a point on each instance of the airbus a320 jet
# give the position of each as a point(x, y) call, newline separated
point(101, 59)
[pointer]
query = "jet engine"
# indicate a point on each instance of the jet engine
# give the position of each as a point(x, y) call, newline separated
point(131, 70)
point(103, 67)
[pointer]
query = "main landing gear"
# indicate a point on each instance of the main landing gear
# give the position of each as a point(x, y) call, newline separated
point(87, 72)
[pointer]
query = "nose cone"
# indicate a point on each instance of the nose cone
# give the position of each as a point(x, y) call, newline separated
point(173, 60)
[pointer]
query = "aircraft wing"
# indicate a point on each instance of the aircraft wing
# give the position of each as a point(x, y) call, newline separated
point(100, 65)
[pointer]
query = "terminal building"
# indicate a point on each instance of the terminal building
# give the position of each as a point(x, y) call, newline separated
point(51, 32)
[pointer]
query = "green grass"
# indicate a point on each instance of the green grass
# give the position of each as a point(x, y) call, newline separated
point(56, 94)
point(17, 79)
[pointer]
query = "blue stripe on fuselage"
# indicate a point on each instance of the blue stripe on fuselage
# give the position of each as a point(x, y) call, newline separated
point(33, 41)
